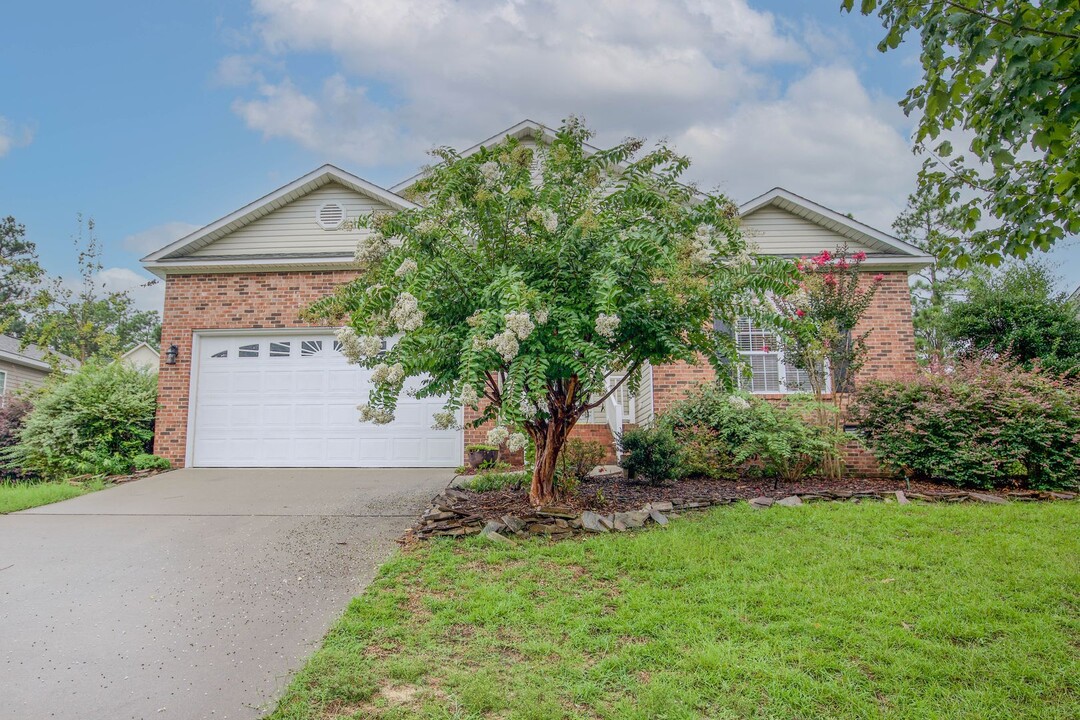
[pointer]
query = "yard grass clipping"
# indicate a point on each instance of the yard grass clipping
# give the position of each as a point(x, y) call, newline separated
point(823, 611)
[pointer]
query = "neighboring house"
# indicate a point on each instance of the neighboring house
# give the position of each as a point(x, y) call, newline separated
point(142, 356)
point(1074, 299)
point(23, 369)
point(254, 385)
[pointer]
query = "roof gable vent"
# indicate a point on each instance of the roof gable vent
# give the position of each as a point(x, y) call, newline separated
point(330, 216)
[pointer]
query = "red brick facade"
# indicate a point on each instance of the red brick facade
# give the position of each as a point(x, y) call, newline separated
point(243, 301)
point(240, 301)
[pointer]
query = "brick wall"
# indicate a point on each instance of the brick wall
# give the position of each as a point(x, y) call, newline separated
point(891, 354)
point(239, 301)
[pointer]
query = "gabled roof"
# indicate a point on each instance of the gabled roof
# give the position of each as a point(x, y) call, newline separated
point(266, 205)
point(31, 356)
point(135, 348)
point(837, 222)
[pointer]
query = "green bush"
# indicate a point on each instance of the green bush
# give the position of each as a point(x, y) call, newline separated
point(984, 423)
point(720, 433)
point(650, 454)
point(576, 461)
point(146, 461)
point(488, 481)
point(94, 420)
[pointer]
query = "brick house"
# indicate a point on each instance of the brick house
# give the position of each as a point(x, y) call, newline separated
point(244, 381)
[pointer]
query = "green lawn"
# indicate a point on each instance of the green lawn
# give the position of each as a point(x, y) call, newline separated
point(821, 611)
point(21, 496)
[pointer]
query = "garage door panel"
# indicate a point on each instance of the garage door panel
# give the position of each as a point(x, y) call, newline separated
point(299, 409)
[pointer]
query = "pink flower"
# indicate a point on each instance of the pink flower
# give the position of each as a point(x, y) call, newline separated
point(878, 278)
point(830, 279)
point(800, 312)
point(842, 264)
point(859, 256)
point(764, 348)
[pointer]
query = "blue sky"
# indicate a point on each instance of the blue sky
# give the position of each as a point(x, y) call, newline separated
point(157, 118)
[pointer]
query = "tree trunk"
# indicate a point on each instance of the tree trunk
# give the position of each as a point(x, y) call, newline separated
point(549, 439)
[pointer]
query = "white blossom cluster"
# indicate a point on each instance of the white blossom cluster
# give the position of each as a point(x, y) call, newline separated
point(407, 314)
point(497, 435)
point(426, 226)
point(546, 217)
point(527, 407)
point(383, 374)
point(505, 343)
point(372, 248)
point(739, 402)
point(490, 171)
point(357, 347)
point(606, 325)
point(703, 244)
point(407, 266)
point(541, 316)
point(475, 319)
point(520, 324)
point(379, 416)
point(445, 420)
point(516, 442)
point(469, 396)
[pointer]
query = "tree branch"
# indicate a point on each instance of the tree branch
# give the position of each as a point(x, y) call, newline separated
point(1010, 22)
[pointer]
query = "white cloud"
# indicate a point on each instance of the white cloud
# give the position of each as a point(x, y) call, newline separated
point(755, 101)
point(13, 137)
point(157, 237)
point(147, 293)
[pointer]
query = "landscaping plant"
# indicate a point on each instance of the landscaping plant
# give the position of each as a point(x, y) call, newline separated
point(529, 275)
point(95, 420)
point(577, 459)
point(819, 332)
point(650, 454)
point(984, 423)
point(12, 416)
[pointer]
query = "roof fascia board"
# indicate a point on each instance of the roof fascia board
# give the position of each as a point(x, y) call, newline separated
point(23, 360)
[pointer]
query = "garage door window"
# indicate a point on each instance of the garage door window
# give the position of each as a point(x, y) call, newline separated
point(249, 351)
point(280, 349)
point(310, 348)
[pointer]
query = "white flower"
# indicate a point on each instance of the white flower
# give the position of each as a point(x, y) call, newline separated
point(606, 325)
point(445, 420)
point(739, 402)
point(379, 416)
point(379, 373)
point(407, 314)
point(517, 441)
point(475, 319)
point(520, 323)
point(396, 374)
point(469, 397)
point(370, 249)
point(506, 344)
point(550, 220)
point(407, 266)
point(426, 226)
point(497, 435)
point(479, 343)
point(490, 171)
point(527, 408)
point(541, 316)
point(357, 347)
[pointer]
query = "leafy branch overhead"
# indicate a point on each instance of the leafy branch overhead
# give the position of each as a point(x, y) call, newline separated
point(536, 273)
point(1005, 76)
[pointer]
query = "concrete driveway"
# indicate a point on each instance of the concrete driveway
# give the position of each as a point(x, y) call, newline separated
point(192, 594)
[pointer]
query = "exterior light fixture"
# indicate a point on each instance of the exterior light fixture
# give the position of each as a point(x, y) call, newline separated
point(171, 355)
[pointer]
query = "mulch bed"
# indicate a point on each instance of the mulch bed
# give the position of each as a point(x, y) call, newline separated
point(614, 494)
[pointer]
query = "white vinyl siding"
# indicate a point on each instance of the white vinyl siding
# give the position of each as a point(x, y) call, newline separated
point(644, 414)
point(779, 232)
point(293, 229)
point(769, 373)
point(17, 377)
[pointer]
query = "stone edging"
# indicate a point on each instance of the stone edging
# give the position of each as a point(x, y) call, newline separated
point(444, 519)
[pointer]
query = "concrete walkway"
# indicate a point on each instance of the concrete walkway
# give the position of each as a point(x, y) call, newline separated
point(192, 594)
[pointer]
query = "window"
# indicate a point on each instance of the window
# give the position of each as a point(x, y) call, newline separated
point(308, 348)
point(759, 348)
point(280, 349)
point(3, 388)
point(249, 351)
point(221, 354)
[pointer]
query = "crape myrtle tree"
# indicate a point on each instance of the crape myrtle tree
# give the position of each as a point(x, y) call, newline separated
point(531, 275)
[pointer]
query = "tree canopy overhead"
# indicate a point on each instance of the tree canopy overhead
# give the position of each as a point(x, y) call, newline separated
point(534, 274)
point(1006, 74)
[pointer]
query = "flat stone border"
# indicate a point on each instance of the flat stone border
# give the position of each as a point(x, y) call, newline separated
point(444, 519)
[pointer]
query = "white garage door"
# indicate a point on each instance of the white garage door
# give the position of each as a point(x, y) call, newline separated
point(290, 401)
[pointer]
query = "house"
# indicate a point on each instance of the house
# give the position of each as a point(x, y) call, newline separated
point(23, 369)
point(251, 384)
point(142, 356)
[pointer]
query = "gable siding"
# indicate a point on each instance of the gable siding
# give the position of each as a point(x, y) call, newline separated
point(20, 377)
point(778, 232)
point(292, 228)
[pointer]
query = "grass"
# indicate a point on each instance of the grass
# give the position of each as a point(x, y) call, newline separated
point(21, 496)
point(821, 611)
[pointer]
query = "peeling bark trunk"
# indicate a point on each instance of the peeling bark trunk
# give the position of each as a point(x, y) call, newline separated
point(549, 440)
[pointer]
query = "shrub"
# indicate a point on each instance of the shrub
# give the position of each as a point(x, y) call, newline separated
point(720, 433)
point(94, 420)
point(488, 481)
point(146, 461)
point(576, 461)
point(650, 454)
point(12, 417)
point(985, 423)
